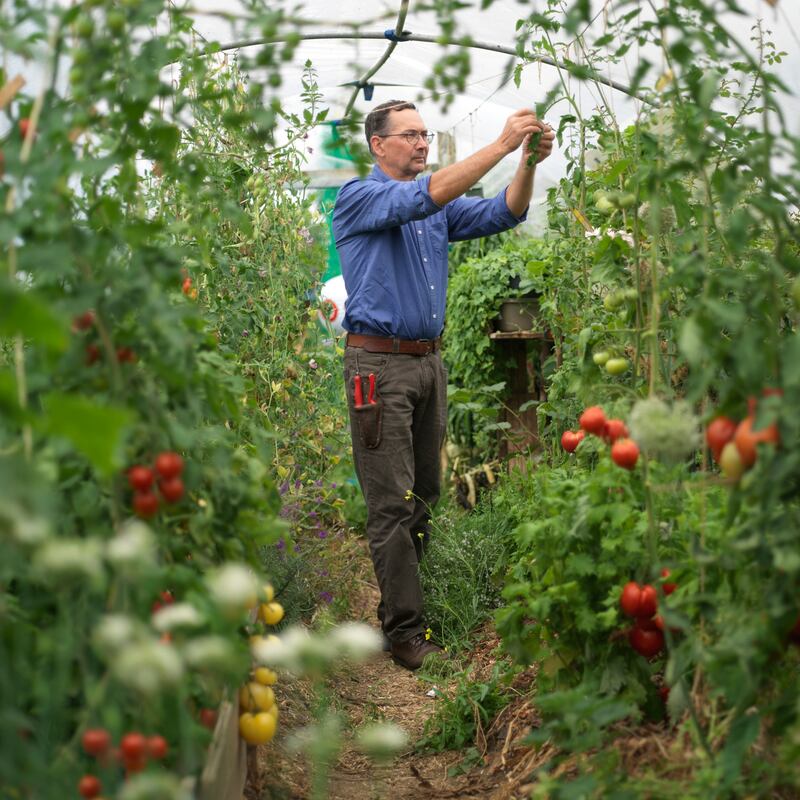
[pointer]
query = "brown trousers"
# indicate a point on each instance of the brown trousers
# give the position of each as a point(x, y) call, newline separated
point(396, 444)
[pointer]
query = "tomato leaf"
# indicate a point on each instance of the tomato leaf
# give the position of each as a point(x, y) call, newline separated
point(95, 430)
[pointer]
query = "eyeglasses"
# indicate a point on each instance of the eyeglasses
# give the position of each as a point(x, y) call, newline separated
point(411, 136)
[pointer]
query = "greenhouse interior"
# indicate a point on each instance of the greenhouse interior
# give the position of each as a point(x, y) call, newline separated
point(396, 399)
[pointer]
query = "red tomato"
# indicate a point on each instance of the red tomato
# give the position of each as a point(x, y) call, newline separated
point(208, 718)
point(593, 420)
point(646, 643)
point(89, 786)
point(140, 478)
point(630, 597)
point(172, 489)
point(169, 464)
point(186, 287)
point(668, 588)
point(166, 598)
point(92, 353)
point(157, 747)
point(125, 355)
point(24, 124)
point(96, 741)
point(615, 429)
point(648, 602)
point(794, 633)
point(83, 321)
point(664, 692)
point(571, 439)
point(625, 453)
point(719, 432)
point(133, 746)
point(145, 504)
point(746, 439)
point(648, 623)
point(638, 601)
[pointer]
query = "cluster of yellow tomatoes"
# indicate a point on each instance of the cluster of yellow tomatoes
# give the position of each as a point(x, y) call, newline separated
point(258, 718)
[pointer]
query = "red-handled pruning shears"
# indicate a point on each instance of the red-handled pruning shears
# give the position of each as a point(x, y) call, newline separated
point(371, 395)
point(358, 394)
point(358, 391)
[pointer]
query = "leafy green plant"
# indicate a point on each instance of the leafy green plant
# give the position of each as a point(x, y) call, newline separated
point(473, 705)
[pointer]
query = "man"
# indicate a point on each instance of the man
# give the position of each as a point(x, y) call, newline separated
point(391, 232)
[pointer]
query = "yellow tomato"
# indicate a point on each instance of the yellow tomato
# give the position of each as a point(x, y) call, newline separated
point(257, 728)
point(265, 676)
point(269, 592)
point(273, 711)
point(256, 697)
point(271, 613)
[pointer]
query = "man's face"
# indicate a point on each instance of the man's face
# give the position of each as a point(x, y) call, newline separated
point(396, 156)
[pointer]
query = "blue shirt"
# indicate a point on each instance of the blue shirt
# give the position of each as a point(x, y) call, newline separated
point(392, 242)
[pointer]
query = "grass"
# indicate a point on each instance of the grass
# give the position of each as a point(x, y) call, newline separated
point(462, 572)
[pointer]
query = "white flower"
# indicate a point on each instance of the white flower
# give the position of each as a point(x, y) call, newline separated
point(177, 615)
point(209, 652)
point(381, 740)
point(153, 786)
point(26, 529)
point(115, 631)
point(133, 547)
point(234, 587)
point(148, 666)
point(63, 559)
point(355, 640)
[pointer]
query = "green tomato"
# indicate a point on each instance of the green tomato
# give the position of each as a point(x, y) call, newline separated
point(616, 366)
point(601, 357)
point(116, 21)
point(626, 200)
point(84, 26)
point(613, 300)
point(604, 206)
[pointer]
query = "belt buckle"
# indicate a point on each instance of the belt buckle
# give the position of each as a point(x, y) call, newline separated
point(428, 345)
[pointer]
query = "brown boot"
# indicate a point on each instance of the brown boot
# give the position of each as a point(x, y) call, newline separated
point(411, 653)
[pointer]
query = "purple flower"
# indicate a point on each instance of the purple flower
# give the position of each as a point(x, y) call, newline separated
point(312, 514)
point(284, 488)
point(318, 483)
point(297, 548)
point(280, 544)
point(333, 485)
point(297, 484)
point(322, 533)
point(323, 573)
point(326, 596)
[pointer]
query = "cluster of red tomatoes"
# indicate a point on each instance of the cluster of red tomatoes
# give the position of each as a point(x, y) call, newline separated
point(169, 468)
point(188, 288)
point(624, 451)
point(733, 444)
point(86, 321)
point(641, 602)
point(134, 751)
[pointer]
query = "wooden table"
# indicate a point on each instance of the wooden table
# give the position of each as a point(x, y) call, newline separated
point(525, 384)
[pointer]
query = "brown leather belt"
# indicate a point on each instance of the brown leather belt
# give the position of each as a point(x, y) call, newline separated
point(391, 344)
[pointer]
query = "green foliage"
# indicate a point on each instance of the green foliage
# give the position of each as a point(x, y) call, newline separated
point(458, 718)
point(462, 569)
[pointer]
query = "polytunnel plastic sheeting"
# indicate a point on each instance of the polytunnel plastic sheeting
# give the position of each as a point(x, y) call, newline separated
point(477, 114)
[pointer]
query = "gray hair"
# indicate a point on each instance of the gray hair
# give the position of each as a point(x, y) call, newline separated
point(377, 121)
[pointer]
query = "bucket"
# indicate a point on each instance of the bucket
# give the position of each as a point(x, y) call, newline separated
point(518, 314)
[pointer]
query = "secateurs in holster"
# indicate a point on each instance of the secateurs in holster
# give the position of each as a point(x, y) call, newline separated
point(368, 414)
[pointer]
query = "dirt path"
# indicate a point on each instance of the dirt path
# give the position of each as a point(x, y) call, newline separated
point(377, 690)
